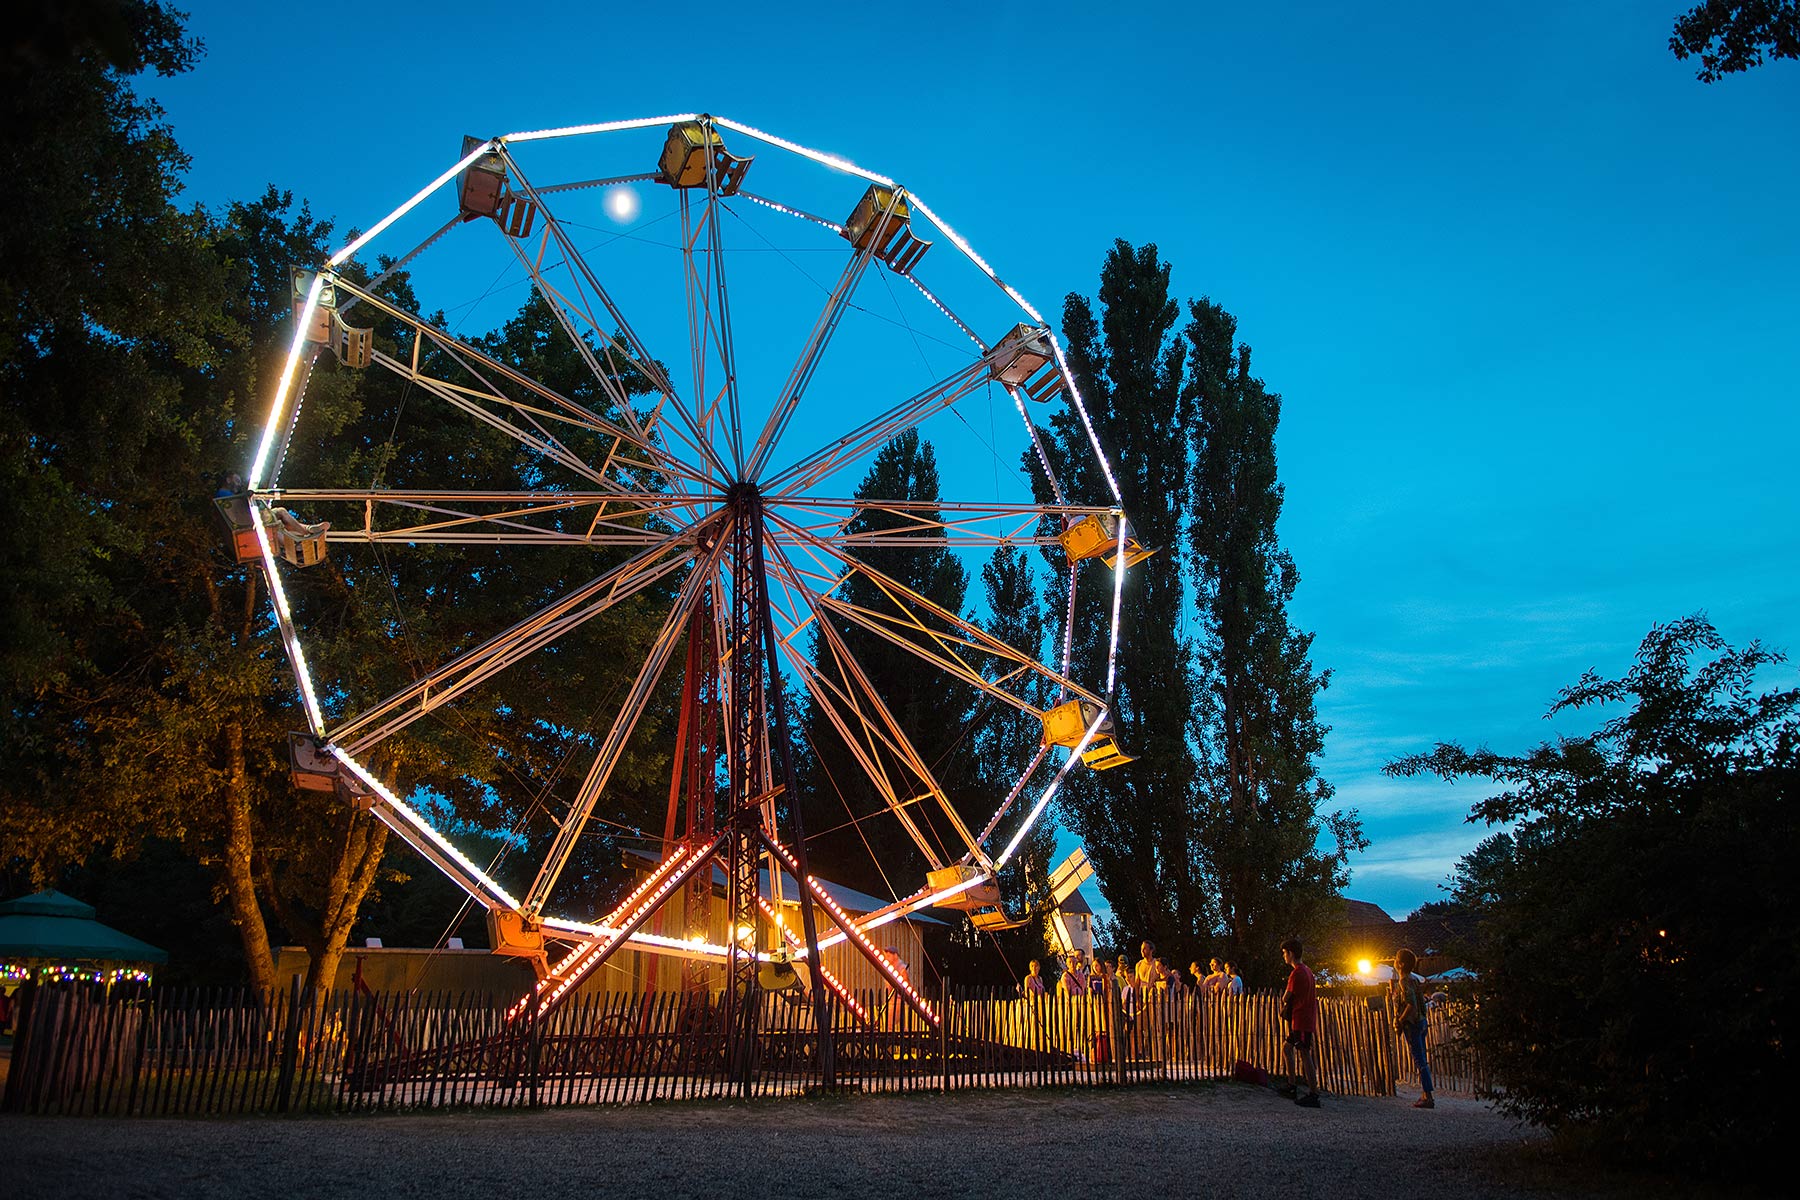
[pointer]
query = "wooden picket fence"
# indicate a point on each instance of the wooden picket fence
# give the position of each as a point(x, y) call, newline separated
point(1454, 1067)
point(224, 1051)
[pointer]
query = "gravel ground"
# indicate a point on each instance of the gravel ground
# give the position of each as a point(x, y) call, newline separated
point(1211, 1140)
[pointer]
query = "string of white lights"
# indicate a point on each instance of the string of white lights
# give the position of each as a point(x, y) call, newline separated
point(538, 135)
point(613, 931)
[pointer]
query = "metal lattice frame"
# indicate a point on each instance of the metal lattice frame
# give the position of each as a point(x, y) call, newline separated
point(741, 529)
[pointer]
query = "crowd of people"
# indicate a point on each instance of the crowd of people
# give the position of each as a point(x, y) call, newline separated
point(1150, 976)
point(1154, 978)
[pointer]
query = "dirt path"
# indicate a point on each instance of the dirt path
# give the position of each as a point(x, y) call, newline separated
point(1216, 1141)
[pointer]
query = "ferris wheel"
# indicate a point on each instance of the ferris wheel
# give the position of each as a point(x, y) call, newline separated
point(717, 492)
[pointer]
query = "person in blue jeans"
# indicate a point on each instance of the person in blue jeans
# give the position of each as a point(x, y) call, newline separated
point(1406, 1001)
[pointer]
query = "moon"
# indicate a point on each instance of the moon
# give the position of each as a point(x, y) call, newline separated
point(622, 204)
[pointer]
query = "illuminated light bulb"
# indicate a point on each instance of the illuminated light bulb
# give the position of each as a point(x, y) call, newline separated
point(533, 135)
point(1364, 966)
point(286, 381)
point(1062, 363)
point(375, 230)
point(423, 826)
point(793, 212)
point(829, 160)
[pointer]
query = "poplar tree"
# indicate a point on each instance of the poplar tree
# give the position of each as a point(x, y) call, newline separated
point(850, 835)
point(1135, 821)
point(1276, 859)
point(1005, 741)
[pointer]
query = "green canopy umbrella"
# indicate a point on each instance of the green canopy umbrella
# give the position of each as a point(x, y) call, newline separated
point(51, 929)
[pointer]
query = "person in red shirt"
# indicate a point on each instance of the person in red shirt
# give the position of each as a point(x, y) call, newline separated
point(1300, 1006)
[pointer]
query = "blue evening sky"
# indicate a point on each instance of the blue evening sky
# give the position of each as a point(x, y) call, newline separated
point(1527, 287)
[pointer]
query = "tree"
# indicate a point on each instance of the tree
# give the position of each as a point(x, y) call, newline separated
point(91, 340)
point(851, 837)
point(145, 694)
point(1005, 741)
point(1734, 35)
point(1136, 822)
point(1260, 795)
point(168, 711)
point(1637, 923)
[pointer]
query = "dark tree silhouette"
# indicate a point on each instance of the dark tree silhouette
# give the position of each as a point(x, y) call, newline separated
point(1637, 917)
point(1260, 795)
point(1735, 36)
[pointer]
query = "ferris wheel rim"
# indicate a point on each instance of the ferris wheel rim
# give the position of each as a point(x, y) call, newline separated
point(658, 457)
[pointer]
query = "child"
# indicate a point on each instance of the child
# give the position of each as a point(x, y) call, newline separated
point(1408, 1006)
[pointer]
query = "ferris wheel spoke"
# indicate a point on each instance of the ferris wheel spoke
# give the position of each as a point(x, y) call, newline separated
point(607, 375)
point(808, 363)
point(709, 319)
point(866, 737)
point(925, 523)
point(673, 629)
point(560, 306)
point(874, 721)
point(949, 631)
point(862, 738)
point(358, 733)
point(633, 351)
point(557, 406)
point(853, 446)
point(449, 517)
point(400, 264)
point(469, 401)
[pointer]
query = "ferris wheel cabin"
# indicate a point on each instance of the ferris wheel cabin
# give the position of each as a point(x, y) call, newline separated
point(1026, 359)
point(1067, 723)
point(313, 769)
point(482, 190)
point(353, 347)
point(882, 224)
point(693, 150)
point(1097, 536)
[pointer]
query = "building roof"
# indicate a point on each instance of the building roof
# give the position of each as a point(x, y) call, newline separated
point(50, 925)
point(1428, 937)
point(1075, 905)
point(1361, 912)
point(845, 897)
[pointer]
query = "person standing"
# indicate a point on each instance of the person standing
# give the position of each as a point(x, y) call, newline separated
point(1033, 984)
point(1102, 983)
point(1214, 983)
point(1149, 970)
point(1234, 983)
point(1074, 978)
point(1407, 1003)
point(1300, 1006)
point(1150, 986)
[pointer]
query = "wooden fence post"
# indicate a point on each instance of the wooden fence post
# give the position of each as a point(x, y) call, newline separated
point(944, 1036)
point(534, 1052)
point(290, 1051)
point(1116, 1034)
